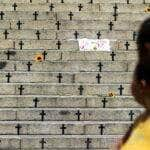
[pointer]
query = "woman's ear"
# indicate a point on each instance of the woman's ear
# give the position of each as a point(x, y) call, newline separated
point(143, 83)
point(133, 87)
point(143, 86)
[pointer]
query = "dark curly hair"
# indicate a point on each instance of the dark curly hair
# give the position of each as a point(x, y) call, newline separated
point(142, 69)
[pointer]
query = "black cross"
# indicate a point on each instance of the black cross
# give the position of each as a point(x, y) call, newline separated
point(8, 53)
point(101, 127)
point(2, 14)
point(80, 7)
point(115, 8)
point(62, 1)
point(128, 2)
point(121, 89)
point(44, 54)
point(21, 44)
point(131, 114)
point(104, 101)
point(42, 115)
point(98, 35)
point(78, 114)
point(18, 127)
point(58, 44)
point(21, 89)
point(144, 2)
point(115, 16)
point(71, 15)
point(127, 45)
point(29, 64)
point(59, 77)
point(112, 55)
point(14, 5)
point(38, 34)
point(88, 141)
point(58, 24)
point(91, 2)
point(76, 34)
point(42, 143)
point(30, 1)
point(8, 77)
point(19, 24)
point(98, 78)
point(35, 100)
point(51, 7)
point(63, 128)
point(134, 35)
point(6, 33)
point(111, 25)
point(100, 65)
point(81, 89)
point(35, 15)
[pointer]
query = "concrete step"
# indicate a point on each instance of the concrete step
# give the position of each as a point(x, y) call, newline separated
point(102, 16)
point(49, 101)
point(45, 7)
point(67, 78)
point(46, 15)
point(74, 1)
point(56, 142)
point(27, 15)
point(69, 114)
point(47, 34)
point(71, 25)
point(55, 55)
point(64, 89)
point(71, 128)
point(100, 1)
point(71, 45)
point(69, 66)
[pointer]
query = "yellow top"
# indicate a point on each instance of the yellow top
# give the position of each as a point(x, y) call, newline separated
point(140, 137)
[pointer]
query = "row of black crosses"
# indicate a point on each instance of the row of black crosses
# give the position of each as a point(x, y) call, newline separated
point(81, 89)
point(62, 1)
point(76, 35)
point(36, 101)
point(88, 141)
point(92, 1)
point(43, 142)
point(35, 14)
point(43, 114)
point(59, 43)
point(44, 53)
point(63, 128)
point(6, 34)
point(19, 23)
point(12, 53)
point(21, 88)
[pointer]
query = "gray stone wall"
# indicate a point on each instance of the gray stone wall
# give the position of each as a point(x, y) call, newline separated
point(58, 102)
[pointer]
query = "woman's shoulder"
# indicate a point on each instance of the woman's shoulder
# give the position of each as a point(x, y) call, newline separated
point(140, 135)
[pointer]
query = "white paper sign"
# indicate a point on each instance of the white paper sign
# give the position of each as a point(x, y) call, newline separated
point(94, 44)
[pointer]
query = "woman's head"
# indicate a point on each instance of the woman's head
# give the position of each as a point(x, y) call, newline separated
point(141, 78)
point(143, 40)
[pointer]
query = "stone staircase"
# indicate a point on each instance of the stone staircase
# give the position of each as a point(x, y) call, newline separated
point(71, 100)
